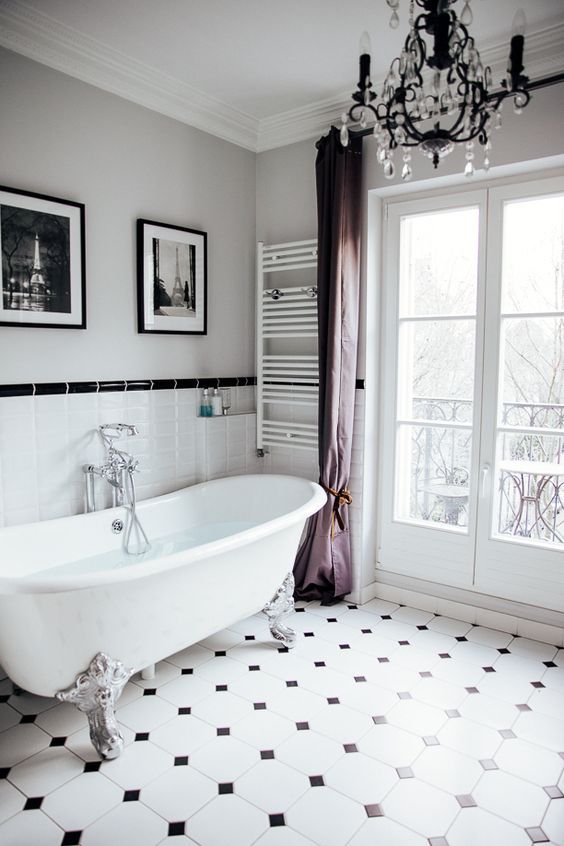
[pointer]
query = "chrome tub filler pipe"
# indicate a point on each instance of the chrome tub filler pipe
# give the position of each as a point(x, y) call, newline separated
point(118, 469)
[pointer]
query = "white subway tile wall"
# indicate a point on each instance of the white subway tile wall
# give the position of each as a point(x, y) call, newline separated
point(45, 440)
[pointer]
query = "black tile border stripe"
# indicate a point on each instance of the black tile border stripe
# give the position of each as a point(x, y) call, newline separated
point(29, 389)
point(120, 385)
point(17, 390)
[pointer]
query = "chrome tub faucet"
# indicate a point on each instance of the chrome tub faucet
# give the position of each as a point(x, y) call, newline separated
point(116, 465)
point(118, 470)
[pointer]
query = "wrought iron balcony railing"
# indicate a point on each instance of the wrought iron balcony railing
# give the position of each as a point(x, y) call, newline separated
point(530, 488)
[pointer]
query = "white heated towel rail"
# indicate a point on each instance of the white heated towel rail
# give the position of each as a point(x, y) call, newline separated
point(288, 314)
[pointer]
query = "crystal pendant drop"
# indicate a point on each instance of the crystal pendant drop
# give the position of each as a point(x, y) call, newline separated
point(344, 133)
point(403, 63)
point(448, 102)
point(498, 121)
point(363, 122)
point(394, 23)
point(518, 104)
point(406, 173)
point(469, 169)
point(466, 16)
point(389, 169)
point(486, 164)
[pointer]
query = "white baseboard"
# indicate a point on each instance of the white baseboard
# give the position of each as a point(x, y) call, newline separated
point(515, 618)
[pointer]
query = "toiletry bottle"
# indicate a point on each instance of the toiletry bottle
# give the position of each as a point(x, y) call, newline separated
point(206, 405)
point(217, 406)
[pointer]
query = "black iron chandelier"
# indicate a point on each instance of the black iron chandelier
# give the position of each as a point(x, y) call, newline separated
point(437, 93)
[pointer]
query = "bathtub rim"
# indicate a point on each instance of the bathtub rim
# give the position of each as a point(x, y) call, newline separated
point(36, 584)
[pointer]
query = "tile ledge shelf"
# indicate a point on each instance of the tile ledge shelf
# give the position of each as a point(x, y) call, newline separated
point(227, 416)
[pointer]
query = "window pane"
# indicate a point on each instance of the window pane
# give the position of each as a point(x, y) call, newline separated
point(436, 372)
point(533, 373)
point(530, 503)
point(432, 475)
point(439, 263)
point(533, 252)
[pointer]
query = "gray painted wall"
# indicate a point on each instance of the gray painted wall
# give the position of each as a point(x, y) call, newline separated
point(62, 137)
point(286, 202)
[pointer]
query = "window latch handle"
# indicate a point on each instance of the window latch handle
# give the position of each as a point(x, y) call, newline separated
point(484, 479)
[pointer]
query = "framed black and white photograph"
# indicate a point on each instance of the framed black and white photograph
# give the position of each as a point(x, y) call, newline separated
point(171, 279)
point(43, 263)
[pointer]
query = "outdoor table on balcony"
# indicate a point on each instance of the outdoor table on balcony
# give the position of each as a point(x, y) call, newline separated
point(544, 471)
point(454, 498)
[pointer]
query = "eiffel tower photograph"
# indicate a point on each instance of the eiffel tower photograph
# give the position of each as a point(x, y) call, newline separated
point(35, 261)
point(175, 278)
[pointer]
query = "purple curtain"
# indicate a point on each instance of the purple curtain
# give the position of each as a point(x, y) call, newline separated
point(323, 564)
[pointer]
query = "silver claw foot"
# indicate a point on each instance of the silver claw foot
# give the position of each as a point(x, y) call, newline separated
point(95, 692)
point(280, 607)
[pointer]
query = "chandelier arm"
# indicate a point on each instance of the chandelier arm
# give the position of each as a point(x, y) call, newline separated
point(495, 96)
point(356, 110)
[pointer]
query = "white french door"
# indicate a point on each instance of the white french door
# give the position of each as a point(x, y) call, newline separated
point(473, 392)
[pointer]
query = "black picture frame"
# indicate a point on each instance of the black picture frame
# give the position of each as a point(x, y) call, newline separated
point(172, 267)
point(43, 261)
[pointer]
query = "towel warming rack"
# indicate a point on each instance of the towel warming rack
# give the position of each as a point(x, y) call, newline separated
point(287, 369)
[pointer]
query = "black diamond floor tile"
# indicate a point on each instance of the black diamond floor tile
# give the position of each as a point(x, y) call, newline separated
point(224, 788)
point(374, 811)
point(175, 829)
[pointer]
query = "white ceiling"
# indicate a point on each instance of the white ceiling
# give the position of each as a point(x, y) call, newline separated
point(246, 68)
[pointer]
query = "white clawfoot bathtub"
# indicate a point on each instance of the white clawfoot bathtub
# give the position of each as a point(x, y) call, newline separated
point(219, 552)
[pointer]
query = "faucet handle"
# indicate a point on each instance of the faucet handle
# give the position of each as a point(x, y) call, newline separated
point(110, 432)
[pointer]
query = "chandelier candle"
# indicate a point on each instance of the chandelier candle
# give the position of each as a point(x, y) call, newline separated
point(437, 93)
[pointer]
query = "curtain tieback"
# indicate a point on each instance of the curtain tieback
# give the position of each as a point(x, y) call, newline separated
point(342, 497)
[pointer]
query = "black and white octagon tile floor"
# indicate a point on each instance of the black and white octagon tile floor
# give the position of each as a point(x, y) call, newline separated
point(385, 725)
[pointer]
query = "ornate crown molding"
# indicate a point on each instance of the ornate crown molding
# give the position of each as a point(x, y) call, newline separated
point(39, 37)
